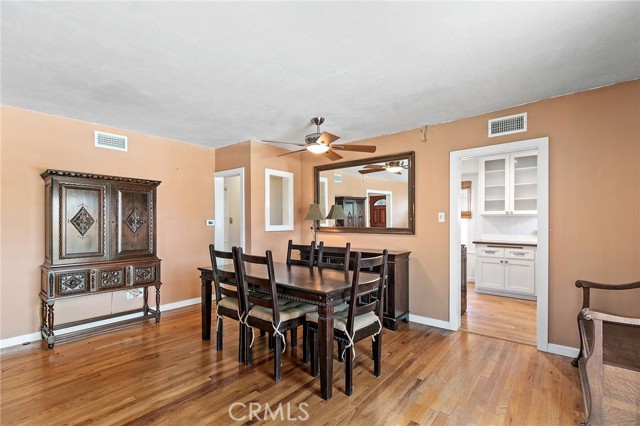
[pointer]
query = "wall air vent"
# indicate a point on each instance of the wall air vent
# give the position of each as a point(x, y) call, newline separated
point(507, 125)
point(110, 141)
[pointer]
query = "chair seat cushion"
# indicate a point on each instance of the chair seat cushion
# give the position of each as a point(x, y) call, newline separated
point(340, 320)
point(341, 307)
point(288, 312)
point(264, 296)
point(229, 303)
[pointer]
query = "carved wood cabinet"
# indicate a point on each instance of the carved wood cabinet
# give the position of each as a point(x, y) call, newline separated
point(354, 209)
point(100, 236)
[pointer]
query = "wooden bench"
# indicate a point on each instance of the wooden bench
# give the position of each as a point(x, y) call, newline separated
point(609, 362)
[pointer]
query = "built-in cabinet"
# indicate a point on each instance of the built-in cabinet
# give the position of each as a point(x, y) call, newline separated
point(509, 184)
point(100, 236)
point(506, 270)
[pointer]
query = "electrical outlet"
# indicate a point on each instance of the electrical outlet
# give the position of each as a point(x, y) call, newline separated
point(209, 222)
point(441, 217)
point(136, 292)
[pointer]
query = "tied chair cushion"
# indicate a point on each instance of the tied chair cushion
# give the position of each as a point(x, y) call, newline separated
point(340, 320)
point(229, 303)
point(288, 311)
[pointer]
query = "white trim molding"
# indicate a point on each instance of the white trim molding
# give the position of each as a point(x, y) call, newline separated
point(567, 351)
point(34, 337)
point(429, 321)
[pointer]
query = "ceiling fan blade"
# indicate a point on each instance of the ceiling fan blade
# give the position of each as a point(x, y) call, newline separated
point(283, 143)
point(358, 148)
point(327, 138)
point(291, 152)
point(374, 166)
point(367, 171)
point(333, 156)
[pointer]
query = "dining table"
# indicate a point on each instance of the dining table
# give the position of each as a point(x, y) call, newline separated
point(324, 288)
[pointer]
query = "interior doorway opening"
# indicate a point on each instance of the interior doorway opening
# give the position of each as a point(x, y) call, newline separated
point(229, 209)
point(498, 206)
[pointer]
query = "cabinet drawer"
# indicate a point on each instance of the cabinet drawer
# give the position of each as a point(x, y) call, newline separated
point(490, 252)
point(111, 278)
point(520, 254)
point(144, 274)
point(72, 282)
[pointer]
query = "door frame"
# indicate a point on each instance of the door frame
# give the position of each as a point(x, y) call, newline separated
point(542, 253)
point(219, 203)
point(389, 195)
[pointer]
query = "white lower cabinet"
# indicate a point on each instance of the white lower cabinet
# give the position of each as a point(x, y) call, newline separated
point(506, 270)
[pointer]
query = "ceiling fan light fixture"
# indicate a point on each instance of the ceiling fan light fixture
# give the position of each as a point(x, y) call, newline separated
point(317, 148)
point(394, 169)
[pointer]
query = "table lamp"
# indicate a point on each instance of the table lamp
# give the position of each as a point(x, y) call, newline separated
point(336, 212)
point(314, 214)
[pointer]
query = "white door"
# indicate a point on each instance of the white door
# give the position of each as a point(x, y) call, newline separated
point(490, 273)
point(524, 183)
point(520, 276)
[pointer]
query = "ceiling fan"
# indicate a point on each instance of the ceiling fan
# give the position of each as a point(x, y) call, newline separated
point(322, 143)
point(394, 167)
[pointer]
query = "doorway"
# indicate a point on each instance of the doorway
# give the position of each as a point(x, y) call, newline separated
point(542, 253)
point(229, 209)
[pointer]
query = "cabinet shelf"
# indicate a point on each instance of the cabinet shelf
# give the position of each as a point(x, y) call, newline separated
point(525, 168)
point(522, 184)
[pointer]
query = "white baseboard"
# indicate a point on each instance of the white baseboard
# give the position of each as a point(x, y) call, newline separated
point(34, 337)
point(567, 351)
point(430, 321)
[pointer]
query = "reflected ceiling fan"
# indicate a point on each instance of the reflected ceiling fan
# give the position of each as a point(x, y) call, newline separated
point(395, 167)
point(322, 143)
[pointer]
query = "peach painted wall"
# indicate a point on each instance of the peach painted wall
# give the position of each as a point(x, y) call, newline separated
point(33, 142)
point(594, 145)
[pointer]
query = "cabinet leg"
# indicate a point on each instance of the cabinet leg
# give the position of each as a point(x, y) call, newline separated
point(51, 339)
point(157, 302)
point(145, 301)
point(43, 317)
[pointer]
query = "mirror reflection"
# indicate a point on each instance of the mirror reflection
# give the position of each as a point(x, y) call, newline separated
point(375, 194)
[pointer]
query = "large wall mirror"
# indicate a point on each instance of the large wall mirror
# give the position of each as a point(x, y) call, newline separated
point(376, 195)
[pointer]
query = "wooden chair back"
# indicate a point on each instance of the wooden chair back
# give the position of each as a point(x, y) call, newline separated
point(258, 282)
point(225, 282)
point(306, 254)
point(334, 257)
point(359, 305)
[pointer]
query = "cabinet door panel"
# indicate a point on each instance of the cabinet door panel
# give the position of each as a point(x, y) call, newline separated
point(490, 273)
point(494, 185)
point(82, 222)
point(520, 276)
point(133, 212)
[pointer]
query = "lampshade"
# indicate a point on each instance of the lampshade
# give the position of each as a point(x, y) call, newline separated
point(314, 213)
point(336, 212)
point(317, 148)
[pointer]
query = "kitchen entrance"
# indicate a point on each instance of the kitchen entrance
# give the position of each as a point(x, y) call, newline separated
point(499, 213)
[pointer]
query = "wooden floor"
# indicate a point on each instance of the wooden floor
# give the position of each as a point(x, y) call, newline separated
point(502, 317)
point(164, 374)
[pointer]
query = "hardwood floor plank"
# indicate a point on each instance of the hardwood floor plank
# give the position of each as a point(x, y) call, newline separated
point(164, 374)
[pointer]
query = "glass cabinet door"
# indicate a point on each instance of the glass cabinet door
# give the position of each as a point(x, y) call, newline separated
point(524, 178)
point(494, 184)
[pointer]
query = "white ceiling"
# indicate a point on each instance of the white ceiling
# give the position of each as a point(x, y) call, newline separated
point(219, 73)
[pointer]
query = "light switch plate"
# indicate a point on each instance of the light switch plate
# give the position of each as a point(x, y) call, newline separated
point(440, 216)
point(210, 222)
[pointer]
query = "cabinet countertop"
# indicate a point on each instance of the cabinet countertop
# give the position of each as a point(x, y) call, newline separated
point(507, 243)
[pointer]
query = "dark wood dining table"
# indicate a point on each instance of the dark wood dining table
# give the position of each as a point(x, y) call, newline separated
point(324, 288)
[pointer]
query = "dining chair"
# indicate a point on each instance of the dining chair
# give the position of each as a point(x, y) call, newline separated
point(264, 312)
point(306, 254)
point(359, 321)
point(333, 257)
point(228, 297)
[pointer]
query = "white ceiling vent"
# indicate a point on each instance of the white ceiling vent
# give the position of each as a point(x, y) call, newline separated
point(110, 141)
point(507, 125)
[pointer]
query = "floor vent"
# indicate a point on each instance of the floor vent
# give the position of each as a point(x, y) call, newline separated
point(110, 141)
point(507, 125)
